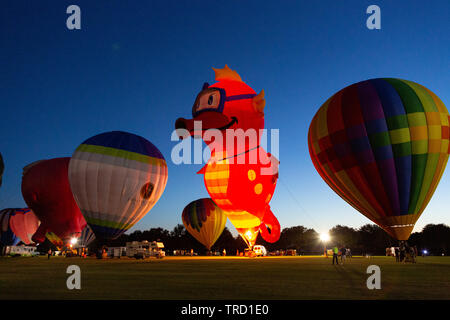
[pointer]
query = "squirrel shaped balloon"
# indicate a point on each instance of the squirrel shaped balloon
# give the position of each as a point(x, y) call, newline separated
point(240, 175)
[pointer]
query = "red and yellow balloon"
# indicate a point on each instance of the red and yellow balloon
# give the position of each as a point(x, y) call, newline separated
point(240, 176)
point(204, 220)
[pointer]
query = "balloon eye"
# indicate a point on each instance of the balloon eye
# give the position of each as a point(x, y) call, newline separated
point(147, 190)
point(210, 99)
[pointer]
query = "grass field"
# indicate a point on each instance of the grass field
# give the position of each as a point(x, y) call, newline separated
point(223, 278)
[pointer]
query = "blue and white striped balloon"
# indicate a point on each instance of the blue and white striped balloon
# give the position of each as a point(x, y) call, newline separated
point(116, 178)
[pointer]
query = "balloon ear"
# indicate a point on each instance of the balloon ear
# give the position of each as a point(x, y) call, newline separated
point(259, 102)
point(205, 86)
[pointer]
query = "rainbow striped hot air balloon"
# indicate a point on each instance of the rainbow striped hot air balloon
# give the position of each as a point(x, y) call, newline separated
point(204, 220)
point(382, 145)
point(116, 178)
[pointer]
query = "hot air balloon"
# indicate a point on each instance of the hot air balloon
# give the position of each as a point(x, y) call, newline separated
point(53, 238)
point(17, 225)
point(116, 178)
point(46, 190)
point(204, 220)
point(86, 238)
point(24, 224)
point(2, 168)
point(382, 145)
point(7, 236)
point(240, 176)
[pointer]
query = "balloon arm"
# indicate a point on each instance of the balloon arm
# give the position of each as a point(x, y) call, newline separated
point(202, 170)
point(269, 220)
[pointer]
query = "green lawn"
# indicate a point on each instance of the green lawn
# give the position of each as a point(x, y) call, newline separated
point(223, 278)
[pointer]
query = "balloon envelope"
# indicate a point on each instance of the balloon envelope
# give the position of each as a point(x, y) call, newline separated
point(53, 238)
point(382, 145)
point(2, 168)
point(116, 178)
point(86, 238)
point(46, 190)
point(204, 221)
point(24, 224)
point(7, 236)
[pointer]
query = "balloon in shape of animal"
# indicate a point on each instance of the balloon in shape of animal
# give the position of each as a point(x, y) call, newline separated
point(46, 190)
point(382, 145)
point(204, 220)
point(240, 176)
point(116, 178)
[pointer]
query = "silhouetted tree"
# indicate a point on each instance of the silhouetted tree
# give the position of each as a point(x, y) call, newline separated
point(367, 239)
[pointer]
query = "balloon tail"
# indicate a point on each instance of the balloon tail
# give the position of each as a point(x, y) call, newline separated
point(271, 222)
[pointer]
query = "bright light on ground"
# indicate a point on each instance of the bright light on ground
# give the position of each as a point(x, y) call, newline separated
point(324, 237)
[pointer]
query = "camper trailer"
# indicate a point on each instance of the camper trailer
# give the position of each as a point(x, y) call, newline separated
point(22, 250)
point(145, 249)
point(117, 252)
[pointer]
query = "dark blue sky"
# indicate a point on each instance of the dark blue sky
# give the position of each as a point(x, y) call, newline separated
point(138, 65)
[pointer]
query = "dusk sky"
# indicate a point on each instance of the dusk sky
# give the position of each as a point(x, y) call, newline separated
point(137, 66)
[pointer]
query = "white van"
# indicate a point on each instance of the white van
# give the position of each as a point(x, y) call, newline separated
point(260, 251)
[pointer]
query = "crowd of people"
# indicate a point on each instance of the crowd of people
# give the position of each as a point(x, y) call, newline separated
point(341, 253)
point(403, 253)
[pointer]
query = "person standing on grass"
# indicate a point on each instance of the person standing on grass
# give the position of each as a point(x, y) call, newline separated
point(343, 252)
point(49, 253)
point(335, 254)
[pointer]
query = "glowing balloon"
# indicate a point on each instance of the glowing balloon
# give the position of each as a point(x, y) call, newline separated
point(382, 145)
point(116, 178)
point(18, 225)
point(240, 176)
point(86, 238)
point(24, 224)
point(46, 190)
point(204, 221)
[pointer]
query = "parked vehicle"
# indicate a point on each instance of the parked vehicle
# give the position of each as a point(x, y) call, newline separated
point(260, 251)
point(145, 249)
point(22, 251)
point(117, 252)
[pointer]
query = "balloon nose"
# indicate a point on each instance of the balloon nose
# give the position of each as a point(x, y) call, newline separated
point(181, 128)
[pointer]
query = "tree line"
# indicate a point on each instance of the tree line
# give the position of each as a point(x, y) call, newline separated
point(368, 239)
